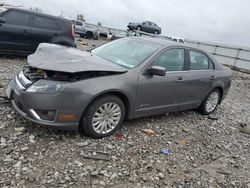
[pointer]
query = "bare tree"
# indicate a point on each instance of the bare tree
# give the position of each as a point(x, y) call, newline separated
point(80, 17)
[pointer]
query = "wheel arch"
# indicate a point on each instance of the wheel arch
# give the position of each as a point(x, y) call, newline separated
point(138, 26)
point(121, 95)
point(221, 93)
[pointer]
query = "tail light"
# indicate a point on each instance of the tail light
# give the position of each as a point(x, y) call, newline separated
point(73, 30)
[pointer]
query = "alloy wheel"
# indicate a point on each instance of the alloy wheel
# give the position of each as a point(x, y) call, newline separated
point(212, 101)
point(106, 117)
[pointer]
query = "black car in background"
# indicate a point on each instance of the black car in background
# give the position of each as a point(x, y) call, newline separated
point(147, 26)
point(21, 31)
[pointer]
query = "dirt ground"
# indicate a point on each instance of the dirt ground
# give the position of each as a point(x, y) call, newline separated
point(204, 151)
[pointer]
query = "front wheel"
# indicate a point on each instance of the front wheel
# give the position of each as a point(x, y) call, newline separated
point(211, 102)
point(156, 32)
point(103, 117)
point(89, 35)
point(138, 28)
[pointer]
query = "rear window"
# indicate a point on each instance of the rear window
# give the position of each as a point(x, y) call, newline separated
point(14, 17)
point(199, 61)
point(181, 40)
point(79, 23)
point(45, 23)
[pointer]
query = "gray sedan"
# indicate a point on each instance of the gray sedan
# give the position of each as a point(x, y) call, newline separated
point(147, 26)
point(128, 78)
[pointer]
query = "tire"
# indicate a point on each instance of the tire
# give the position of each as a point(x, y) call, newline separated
point(156, 32)
point(138, 28)
point(93, 123)
point(211, 102)
point(89, 35)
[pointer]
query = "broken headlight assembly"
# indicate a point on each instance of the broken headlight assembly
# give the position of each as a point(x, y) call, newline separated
point(46, 86)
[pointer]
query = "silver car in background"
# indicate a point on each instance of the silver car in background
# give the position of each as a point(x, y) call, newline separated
point(147, 26)
point(85, 31)
point(128, 78)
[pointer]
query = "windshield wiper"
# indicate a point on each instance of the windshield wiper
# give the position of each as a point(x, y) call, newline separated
point(123, 64)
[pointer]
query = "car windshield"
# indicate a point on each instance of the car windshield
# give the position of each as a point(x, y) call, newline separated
point(2, 9)
point(127, 52)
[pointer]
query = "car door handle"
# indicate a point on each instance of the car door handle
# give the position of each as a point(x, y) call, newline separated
point(180, 79)
point(212, 77)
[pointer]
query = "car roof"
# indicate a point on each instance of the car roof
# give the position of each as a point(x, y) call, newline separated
point(168, 43)
point(160, 41)
point(37, 13)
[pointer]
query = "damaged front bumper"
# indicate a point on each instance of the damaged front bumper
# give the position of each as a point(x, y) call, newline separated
point(59, 110)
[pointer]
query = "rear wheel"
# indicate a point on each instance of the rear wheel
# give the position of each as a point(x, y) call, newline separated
point(156, 32)
point(103, 117)
point(211, 102)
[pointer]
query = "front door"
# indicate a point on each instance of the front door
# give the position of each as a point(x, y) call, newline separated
point(161, 94)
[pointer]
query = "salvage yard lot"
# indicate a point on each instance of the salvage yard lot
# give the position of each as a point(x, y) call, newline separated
point(203, 150)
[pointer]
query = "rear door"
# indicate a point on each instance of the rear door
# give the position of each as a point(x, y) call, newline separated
point(44, 29)
point(200, 77)
point(152, 27)
point(15, 33)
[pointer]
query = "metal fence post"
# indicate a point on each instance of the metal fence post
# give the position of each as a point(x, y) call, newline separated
point(215, 49)
point(237, 57)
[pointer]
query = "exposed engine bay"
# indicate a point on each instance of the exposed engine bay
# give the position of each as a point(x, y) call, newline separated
point(34, 74)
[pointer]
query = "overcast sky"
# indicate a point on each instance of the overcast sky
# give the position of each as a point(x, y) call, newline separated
point(221, 21)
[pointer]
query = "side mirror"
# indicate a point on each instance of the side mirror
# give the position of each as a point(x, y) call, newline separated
point(157, 70)
point(2, 20)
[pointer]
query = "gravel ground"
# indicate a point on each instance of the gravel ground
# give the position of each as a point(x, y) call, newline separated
point(204, 151)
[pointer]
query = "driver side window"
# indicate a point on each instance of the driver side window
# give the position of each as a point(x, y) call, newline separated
point(171, 60)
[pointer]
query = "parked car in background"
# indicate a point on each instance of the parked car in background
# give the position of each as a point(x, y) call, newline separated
point(124, 79)
point(21, 31)
point(85, 31)
point(147, 26)
point(175, 39)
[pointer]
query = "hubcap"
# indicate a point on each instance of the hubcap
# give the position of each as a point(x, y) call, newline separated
point(106, 117)
point(212, 101)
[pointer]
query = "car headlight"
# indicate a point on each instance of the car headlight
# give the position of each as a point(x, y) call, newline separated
point(46, 86)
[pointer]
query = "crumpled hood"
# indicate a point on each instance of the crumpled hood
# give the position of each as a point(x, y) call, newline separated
point(66, 59)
